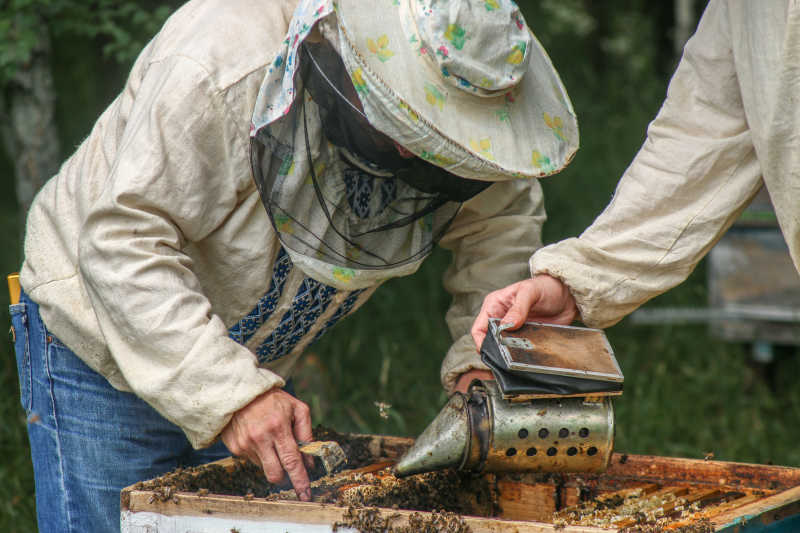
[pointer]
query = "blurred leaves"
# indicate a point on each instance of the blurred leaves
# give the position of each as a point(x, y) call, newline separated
point(123, 25)
point(568, 16)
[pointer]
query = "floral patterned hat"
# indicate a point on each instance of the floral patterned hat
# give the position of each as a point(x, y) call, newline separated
point(463, 84)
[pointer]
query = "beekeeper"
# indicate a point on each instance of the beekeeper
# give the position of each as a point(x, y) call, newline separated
point(730, 124)
point(259, 176)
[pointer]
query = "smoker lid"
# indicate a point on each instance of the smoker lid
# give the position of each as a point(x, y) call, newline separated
point(545, 359)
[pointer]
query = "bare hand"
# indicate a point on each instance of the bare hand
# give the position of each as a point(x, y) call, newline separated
point(466, 378)
point(539, 299)
point(266, 432)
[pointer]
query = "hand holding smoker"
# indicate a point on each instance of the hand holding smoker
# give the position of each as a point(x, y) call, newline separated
point(549, 409)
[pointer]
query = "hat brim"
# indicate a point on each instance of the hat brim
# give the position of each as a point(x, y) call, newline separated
point(528, 131)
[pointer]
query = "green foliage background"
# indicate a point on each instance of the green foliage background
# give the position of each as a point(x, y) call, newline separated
point(124, 26)
point(686, 393)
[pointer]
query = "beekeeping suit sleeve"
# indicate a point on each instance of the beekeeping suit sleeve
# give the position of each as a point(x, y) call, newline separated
point(695, 173)
point(175, 180)
point(491, 239)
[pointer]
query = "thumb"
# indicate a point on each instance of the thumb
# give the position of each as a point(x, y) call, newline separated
point(525, 298)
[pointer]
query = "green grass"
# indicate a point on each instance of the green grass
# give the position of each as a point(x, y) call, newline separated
point(688, 395)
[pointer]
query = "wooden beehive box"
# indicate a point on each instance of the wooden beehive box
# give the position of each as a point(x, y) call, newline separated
point(682, 494)
point(751, 274)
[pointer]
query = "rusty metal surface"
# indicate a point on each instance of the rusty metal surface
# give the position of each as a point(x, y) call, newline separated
point(564, 350)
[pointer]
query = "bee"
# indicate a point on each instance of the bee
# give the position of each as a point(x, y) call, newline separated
point(383, 409)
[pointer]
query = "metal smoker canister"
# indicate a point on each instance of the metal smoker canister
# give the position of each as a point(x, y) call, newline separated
point(482, 432)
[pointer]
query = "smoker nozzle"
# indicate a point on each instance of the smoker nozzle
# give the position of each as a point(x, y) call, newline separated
point(482, 432)
point(444, 442)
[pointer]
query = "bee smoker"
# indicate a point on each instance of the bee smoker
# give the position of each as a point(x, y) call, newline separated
point(518, 423)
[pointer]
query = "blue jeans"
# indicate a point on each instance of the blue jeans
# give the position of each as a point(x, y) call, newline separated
point(88, 440)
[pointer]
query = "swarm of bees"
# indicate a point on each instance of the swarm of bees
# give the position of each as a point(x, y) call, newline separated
point(370, 520)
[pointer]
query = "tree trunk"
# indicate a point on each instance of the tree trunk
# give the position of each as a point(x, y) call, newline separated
point(685, 24)
point(28, 125)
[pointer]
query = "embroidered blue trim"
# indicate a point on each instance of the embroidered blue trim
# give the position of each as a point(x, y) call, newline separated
point(310, 302)
point(341, 312)
point(367, 195)
point(246, 327)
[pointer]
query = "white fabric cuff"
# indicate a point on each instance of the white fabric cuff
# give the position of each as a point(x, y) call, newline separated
point(461, 357)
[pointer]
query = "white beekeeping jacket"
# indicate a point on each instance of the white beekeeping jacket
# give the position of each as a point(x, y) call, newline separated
point(730, 123)
point(153, 259)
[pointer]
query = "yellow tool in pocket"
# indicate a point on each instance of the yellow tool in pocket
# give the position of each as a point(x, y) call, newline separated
point(13, 288)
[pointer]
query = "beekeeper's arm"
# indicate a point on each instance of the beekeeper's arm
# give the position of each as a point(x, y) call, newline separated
point(179, 174)
point(491, 238)
point(695, 173)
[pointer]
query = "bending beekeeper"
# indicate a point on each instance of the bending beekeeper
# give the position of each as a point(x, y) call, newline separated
point(258, 178)
point(729, 125)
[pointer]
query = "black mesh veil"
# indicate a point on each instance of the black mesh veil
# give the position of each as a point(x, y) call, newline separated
point(339, 191)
